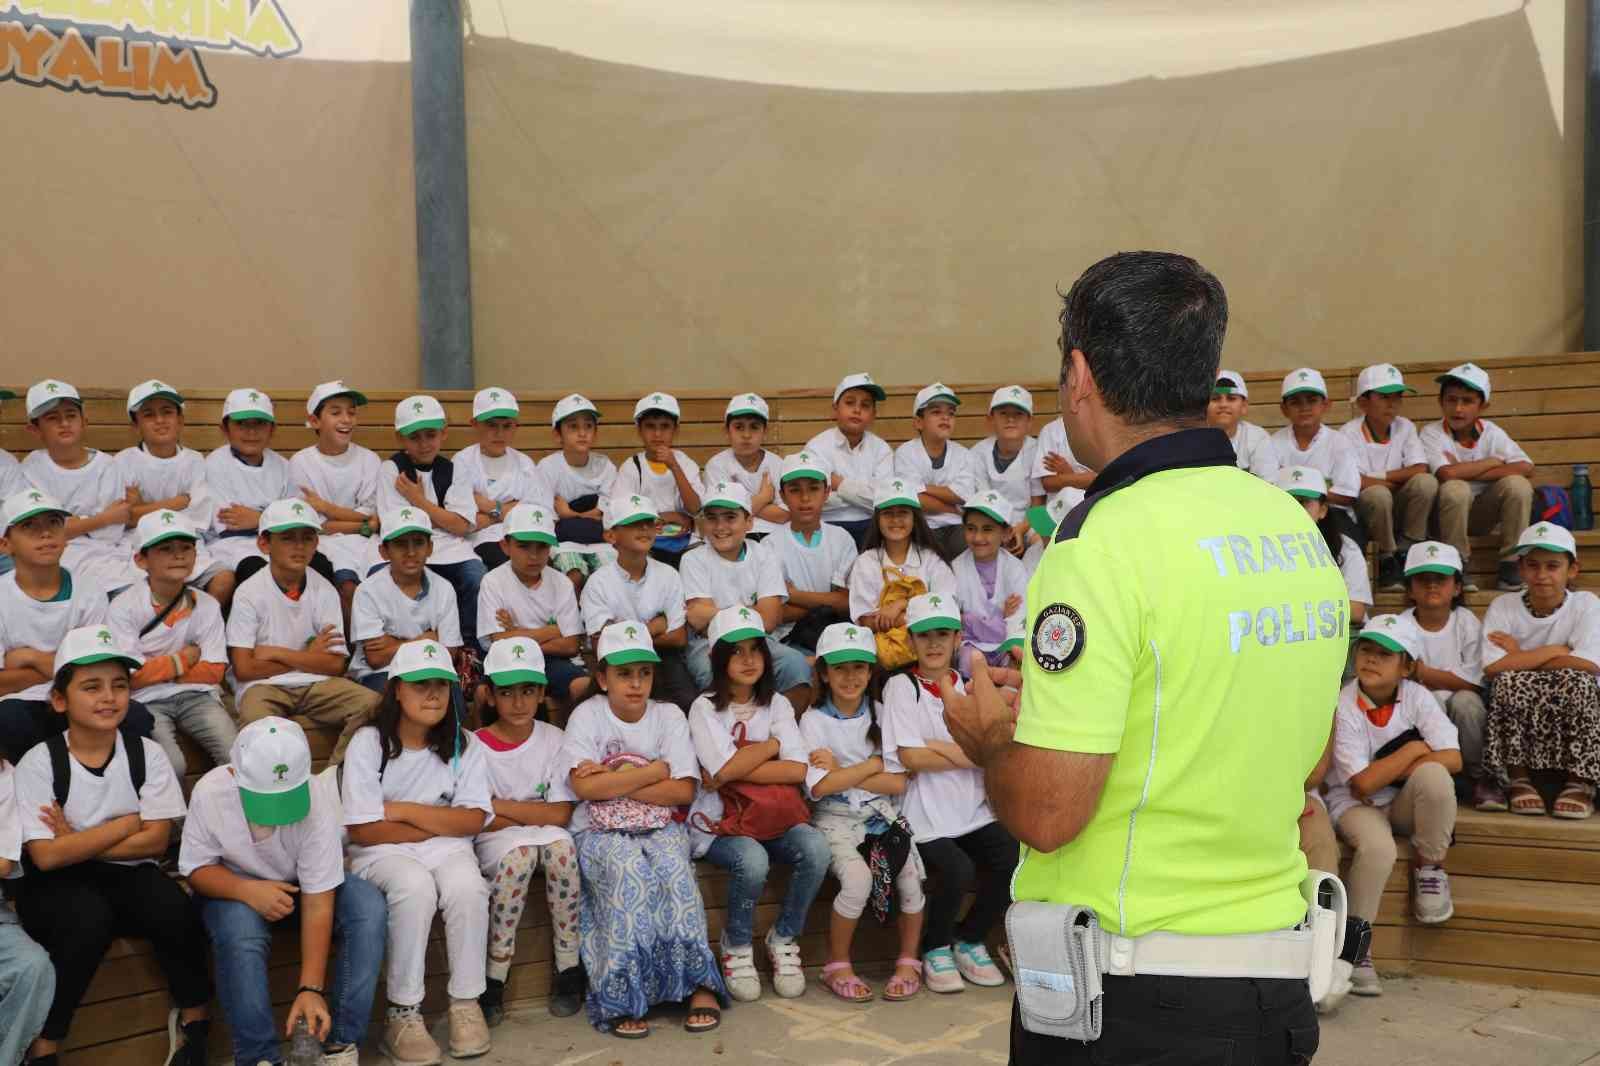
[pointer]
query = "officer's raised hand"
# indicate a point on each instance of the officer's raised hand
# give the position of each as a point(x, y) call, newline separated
point(983, 719)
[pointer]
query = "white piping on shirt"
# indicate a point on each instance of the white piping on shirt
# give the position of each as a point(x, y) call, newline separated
point(1144, 797)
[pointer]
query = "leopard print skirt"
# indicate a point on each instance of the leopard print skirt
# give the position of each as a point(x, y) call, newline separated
point(1543, 720)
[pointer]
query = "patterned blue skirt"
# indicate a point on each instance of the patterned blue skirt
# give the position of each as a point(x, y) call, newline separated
point(641, 923)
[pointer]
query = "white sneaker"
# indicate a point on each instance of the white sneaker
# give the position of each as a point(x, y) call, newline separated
point(788, 980)
point(349, 1055)
point(939, 972)
point(1364, 980)
point(1338, 988)
point(1430, 895)
point(739, 973)
point(975, 965)
point(407, 1042)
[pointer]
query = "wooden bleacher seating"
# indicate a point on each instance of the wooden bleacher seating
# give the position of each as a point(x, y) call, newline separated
point(1527, 905)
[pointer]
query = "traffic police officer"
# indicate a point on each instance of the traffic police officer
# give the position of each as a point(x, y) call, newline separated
point(1187, 629)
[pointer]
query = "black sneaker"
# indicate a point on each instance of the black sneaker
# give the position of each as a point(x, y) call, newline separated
point(1510, 577)
point(567, 995)
point(493, 1002)
point(1391, 570)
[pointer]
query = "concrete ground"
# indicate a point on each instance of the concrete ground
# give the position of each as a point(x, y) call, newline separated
point(1417, 1022)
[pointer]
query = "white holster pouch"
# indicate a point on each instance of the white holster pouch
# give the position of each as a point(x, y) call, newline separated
point(1058, 954)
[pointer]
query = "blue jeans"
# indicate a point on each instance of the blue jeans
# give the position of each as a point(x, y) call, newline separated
point(27, 985)
point(748, 860)
point(241, 940)
point(464, 577)
point(789, 666)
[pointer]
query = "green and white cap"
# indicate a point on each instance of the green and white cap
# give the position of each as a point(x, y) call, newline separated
point(1382, 377)
point(495, 402)
point(1432, 557)
point(575, 404)
point(515, 661)
point(734, 624)
point(417, 413)
point(244, 404)
point(1547, 536)
point(938, 392)
point(1044, 520)
point(664, 402)
point(272, 767)
point(327, 391)
point(622, 643)
point(846, 642)
point(747, 403)
point(283, 515)
point(398, 521)
point(94, 644)
point(532, 523)
point(1016, 632)
point(932, 610)
point(1304, 380)
point(1469, 374)
point(897, 492)
point(151, 390)
point(725, 496)
point(423, 660)
point(1395, 632)
point(45, 396)
point(23, 505)
point(858, 381)
point(1230, 383)
point(161, 525)
point(629, 510)
point(805, 464)
point(1012, 396)
point(1306, 482)
point(992, 504)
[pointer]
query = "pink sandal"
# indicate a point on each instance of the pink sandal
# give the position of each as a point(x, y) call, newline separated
point(901, 988)
point(851, 989)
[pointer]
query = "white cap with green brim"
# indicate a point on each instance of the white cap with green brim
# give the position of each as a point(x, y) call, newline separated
point(846, 642)
point(423, 660)
point(94, 644)
point(1306, 482)
point(1012, 396)
point(152, 390)
point(1016, 632)
point(327, 391)
point(1230, 383)
point(272, 768)
point(992, 504)
point(747, 404)
point(804, 464)
point(243, 405)
point(21, 506)
point(1432, 557)
point(938, 392)
point(725, 496)
point(1547, 536)
point(161, 525)
point(932, 611)
point(657, 403)
point(45, 396)
point(398, 521)
point(622, 643)
point(1382, 377)
point(897, 492)
point(629, 510)
point(575, 404)
point(515, 661)
point(417, 413)
point(1395, 632)
point(495, 403)
point(1304, 380)
point(284, 515)
point(1468, 374)
point(858, 381)
point(734, 624)
point(1044, 520)
point(531, 523)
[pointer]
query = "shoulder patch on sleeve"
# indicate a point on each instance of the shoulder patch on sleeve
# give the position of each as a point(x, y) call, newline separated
point(1058, 637)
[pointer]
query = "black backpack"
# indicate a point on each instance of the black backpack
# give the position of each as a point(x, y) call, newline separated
point(61, 767)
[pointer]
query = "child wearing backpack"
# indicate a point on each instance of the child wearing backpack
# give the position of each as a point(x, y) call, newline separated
point(745, 735)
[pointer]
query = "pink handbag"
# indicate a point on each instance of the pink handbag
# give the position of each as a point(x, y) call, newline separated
point(626, 814)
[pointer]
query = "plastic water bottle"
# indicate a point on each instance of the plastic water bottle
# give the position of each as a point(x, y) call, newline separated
point(304, 1049)
point(1582, 494)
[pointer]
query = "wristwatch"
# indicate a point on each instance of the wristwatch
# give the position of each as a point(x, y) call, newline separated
point(495, 514)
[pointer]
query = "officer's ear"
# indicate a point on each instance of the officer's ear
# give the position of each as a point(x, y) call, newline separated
point(1077, 381)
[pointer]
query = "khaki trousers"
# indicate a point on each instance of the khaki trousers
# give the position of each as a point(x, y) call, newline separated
point(1414, 500)
point(1317, 841)
point(1425, 808)
point(337, 701)
point(1504, 504)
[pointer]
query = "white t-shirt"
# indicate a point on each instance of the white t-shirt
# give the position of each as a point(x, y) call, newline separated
point(380, 607)
point(1456, 649)
point(860, 467)
point(1441, 449)
point(509, 477)
point(347, 480)
point(1330, 452)
point(12, 479)
point(201, 625)
point(1402, 449)
point(911, 460)
point(637, 475)
point(95, 799)
point(308, 853)
point(549, 603)
point(10, 829)
point(1575, 624)
point(1053, 439)
point(1010, 579)
point(262, 614)
point(1017, 484)
point(594, 478)
point(756, 575)
point(950, 803)
point(158, 479)
point(448, 548)
point(29, 623)
point(231, 482)
point(848, 740)
point(595, 734)
point(414, 776)
point(1253, 447)
point(724, 466)
point(533, 771)
point(1353, 566)
point(610, 595)
point(711, 731)
point(866, 577)
point(98, 555)
point(820, 565)
point(1356, 740)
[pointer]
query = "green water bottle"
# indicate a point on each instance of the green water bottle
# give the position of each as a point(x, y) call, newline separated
point(1582, 494)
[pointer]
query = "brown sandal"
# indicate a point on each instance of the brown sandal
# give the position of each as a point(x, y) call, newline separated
point(1574, 801)
point(1524, 798)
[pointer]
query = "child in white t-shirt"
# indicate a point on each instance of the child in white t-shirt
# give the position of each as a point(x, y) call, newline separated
point(816, 556)
point(27, 979)
point(524, 597)
point(1307, 441)
point(1056, 470)
point(243, 476)
point(1230, 402)
point(899, 562)
point(663, 473)
point(1306, 484)
point(580, 478)
point(991, 585)
point(500, 475)
point(416, 792)
point(943, 466)
point(1004, 461)
point(339, 478)
point(402, 602)
point(1397, 491)
point(747, 462)
point(858, 459)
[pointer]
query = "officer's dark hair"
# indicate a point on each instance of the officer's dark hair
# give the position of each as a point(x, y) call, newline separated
point(1150, 325)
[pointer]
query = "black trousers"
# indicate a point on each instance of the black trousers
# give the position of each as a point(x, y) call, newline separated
point(981, 861)
point(24, 723)
point(76, 911)
point(673, 683)
point(1186, 1021)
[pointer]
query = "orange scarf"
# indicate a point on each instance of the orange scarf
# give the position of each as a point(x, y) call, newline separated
point(1377, 715)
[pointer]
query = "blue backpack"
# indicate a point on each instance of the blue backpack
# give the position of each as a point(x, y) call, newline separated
point(1552, 504)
